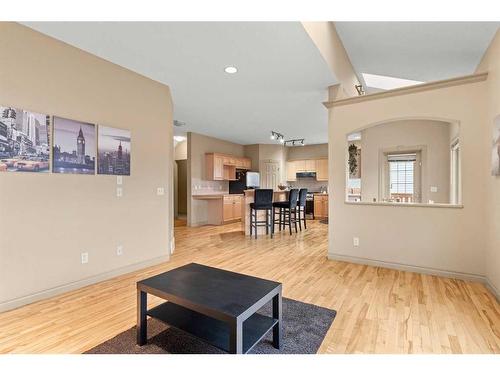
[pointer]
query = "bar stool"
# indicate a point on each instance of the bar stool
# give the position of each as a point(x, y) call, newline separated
point(301, 208)
point(286, 210)
point(263, 200)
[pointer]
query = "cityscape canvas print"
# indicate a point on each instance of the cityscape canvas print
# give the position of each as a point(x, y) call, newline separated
point(495, 150)
point(113, 155)
point(74, 147)
point(24, 140)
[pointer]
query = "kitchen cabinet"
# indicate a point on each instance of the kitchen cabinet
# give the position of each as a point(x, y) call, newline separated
point(320, 166)
point(221, 167)
point(291, 171)
point(243, 163)
point(214, 167)
point(300, 165)
point(231, 207)
point(322, 169)
point(310, 165)
point(320, 205)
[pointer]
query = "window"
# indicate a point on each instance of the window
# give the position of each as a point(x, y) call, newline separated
point(401, 176)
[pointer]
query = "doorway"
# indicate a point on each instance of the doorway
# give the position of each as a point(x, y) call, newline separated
point(181, 217)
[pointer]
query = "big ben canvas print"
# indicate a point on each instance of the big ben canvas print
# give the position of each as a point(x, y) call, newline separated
point(74, 149)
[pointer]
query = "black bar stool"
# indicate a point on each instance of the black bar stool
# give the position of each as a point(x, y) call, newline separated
point(263, 200)
point(286, 210)
point(301, 208)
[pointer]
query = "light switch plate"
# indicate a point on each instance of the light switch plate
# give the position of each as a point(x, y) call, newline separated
point(434, 189)
point(119, 192)
point(85, 258)
point(119, 250)
point(119, 180)
point(160, 191)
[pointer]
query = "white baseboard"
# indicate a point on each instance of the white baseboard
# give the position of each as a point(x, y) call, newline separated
point(407, 267)
point(18, 302)
point(492, 289)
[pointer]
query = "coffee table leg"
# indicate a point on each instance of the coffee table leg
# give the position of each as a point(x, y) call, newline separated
point(236, 338)
point(142, 328)
point(277, 329)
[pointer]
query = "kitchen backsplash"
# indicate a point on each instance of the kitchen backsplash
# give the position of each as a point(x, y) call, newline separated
point(309, 183)
point(199, 186)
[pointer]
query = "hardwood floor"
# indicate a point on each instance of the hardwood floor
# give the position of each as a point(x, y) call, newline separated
point(379, 310)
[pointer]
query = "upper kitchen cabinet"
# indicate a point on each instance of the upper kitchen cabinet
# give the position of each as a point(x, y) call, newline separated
point(220, 167)
point(322, 169)
point(291, 171)
point(319, 166)
point(305, 165)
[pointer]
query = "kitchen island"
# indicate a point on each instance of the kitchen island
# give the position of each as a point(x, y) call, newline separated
point(279, 195)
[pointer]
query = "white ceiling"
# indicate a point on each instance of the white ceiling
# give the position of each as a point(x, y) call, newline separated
point(281, 82)
point(421, 51)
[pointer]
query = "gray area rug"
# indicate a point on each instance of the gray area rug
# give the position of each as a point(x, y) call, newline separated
point(304, 328)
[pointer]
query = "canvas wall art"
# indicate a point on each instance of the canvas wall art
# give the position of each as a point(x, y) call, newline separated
point(113, 155)
point(24, 140)
point(74, 148)
point(495, 149)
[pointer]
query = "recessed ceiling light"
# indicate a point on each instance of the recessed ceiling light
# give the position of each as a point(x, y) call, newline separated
point(387, 83)
point(230, 69)
point(179, 138)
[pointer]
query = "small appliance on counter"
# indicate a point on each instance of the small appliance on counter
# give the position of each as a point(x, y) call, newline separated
point(244, 180)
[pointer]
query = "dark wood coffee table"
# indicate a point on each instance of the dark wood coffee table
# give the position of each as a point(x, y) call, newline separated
point(217, 306)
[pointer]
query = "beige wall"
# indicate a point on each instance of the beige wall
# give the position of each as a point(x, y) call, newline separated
point(491, 64)
point(424, 238)
point(308, 152)
point(434, 136)
point(325, 36)
point(198, 145)
point(252, 152)
point(47, 220)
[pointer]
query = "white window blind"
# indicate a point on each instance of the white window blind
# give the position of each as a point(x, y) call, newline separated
point(401, 173)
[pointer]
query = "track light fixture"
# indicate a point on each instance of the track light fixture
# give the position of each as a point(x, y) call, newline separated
point(295, 142)
point(275, 136)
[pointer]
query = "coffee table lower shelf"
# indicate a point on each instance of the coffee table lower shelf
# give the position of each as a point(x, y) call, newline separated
point(213, 331)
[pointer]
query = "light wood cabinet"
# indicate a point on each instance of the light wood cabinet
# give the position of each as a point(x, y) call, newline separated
point(214, 165)
point(231, 207)
point(320, 206)
point(322, 169)
point(320, 166)
point(291, 171)
point(223, 167)
point(310, 165)
point(300, 165)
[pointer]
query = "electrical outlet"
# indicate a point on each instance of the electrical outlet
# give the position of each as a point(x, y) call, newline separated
point(355, 241)
point(85, 258)
point(160, 191)
point(119, 250)
point(119, 180)
point(119, 192)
